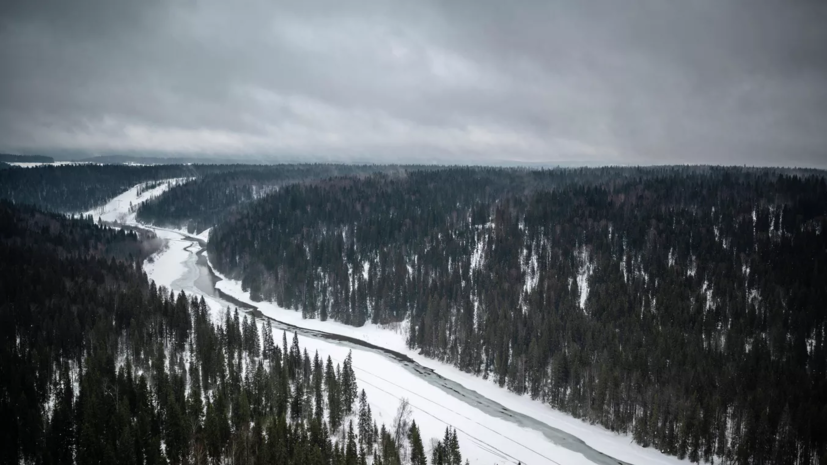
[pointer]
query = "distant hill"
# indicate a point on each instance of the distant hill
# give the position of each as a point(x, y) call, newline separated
point(9, 158)
point(143, 160)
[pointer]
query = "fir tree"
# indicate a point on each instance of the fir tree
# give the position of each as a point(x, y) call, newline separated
point(418, 456)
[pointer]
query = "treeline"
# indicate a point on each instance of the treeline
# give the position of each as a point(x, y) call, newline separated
point(100, 366)
point(205, 202)
point(681, 305)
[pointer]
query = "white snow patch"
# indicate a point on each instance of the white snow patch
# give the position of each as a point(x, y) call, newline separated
point(693, 267)
point(365, 269)
point(531, 270)
point(585, 270)
point(478, 257)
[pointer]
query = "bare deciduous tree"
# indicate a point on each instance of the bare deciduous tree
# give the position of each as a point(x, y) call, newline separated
point(401, 425)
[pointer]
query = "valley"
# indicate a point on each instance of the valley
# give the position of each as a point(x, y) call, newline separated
point(499, 426)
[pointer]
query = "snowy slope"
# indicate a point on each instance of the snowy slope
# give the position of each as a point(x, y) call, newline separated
point(117, 209)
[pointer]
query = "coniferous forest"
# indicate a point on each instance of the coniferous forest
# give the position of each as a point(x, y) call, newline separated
point(101, 366)
point(79, 188)
point(207, 200)
point(684, 306)
point(681, 305)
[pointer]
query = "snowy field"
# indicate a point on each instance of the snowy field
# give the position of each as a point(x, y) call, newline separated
point(484, 438)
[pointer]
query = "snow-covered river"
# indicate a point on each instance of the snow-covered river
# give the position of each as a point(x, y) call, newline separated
point(494, 426)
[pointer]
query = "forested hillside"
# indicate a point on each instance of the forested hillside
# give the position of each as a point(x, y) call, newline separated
point(205, 202)
point(100, 366)
point(79, 188)
point(682, 305)
point(9, 158)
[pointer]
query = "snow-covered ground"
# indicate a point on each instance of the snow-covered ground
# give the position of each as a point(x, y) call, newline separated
point(484, 438)
point(170, 263)
point(205, 234)
point(118, 209)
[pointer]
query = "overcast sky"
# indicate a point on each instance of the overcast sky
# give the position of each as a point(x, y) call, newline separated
point(644, 82)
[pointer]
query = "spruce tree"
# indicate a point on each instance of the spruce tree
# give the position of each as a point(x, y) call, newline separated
point(351, 451)
point(365, 421)
point(349, 386)
point(418, 456)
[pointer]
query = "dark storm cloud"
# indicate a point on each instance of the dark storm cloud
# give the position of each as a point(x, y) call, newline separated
point(473, 81)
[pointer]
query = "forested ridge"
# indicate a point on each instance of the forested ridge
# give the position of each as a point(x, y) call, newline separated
point(217, 188)
point(206, 201)
point(98, 365)
point(10, 158)
point(684, 306)
point(79, 188)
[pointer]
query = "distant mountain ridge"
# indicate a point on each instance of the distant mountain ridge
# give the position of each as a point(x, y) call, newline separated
point(11, 158)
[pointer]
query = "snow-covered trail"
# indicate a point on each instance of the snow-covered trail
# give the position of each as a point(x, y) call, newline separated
point(494, 425)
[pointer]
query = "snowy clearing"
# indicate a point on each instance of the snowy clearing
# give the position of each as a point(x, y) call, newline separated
point(118, 209)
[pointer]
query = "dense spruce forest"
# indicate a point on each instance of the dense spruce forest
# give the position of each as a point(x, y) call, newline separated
point(79, 188)
point(82, 187)
point(684, 306)
point(206, 201)
point(100, 366)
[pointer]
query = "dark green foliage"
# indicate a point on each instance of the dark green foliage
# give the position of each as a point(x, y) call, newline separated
point(209, 200)
point(365, 421)
point(79, 188)
point(348, 388)
point(681, 305)
point(418, 456)
point(446, 451)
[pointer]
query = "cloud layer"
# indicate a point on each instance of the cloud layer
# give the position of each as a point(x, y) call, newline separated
point(643, 81)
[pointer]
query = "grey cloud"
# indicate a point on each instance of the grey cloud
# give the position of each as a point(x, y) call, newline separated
point(644, 81)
